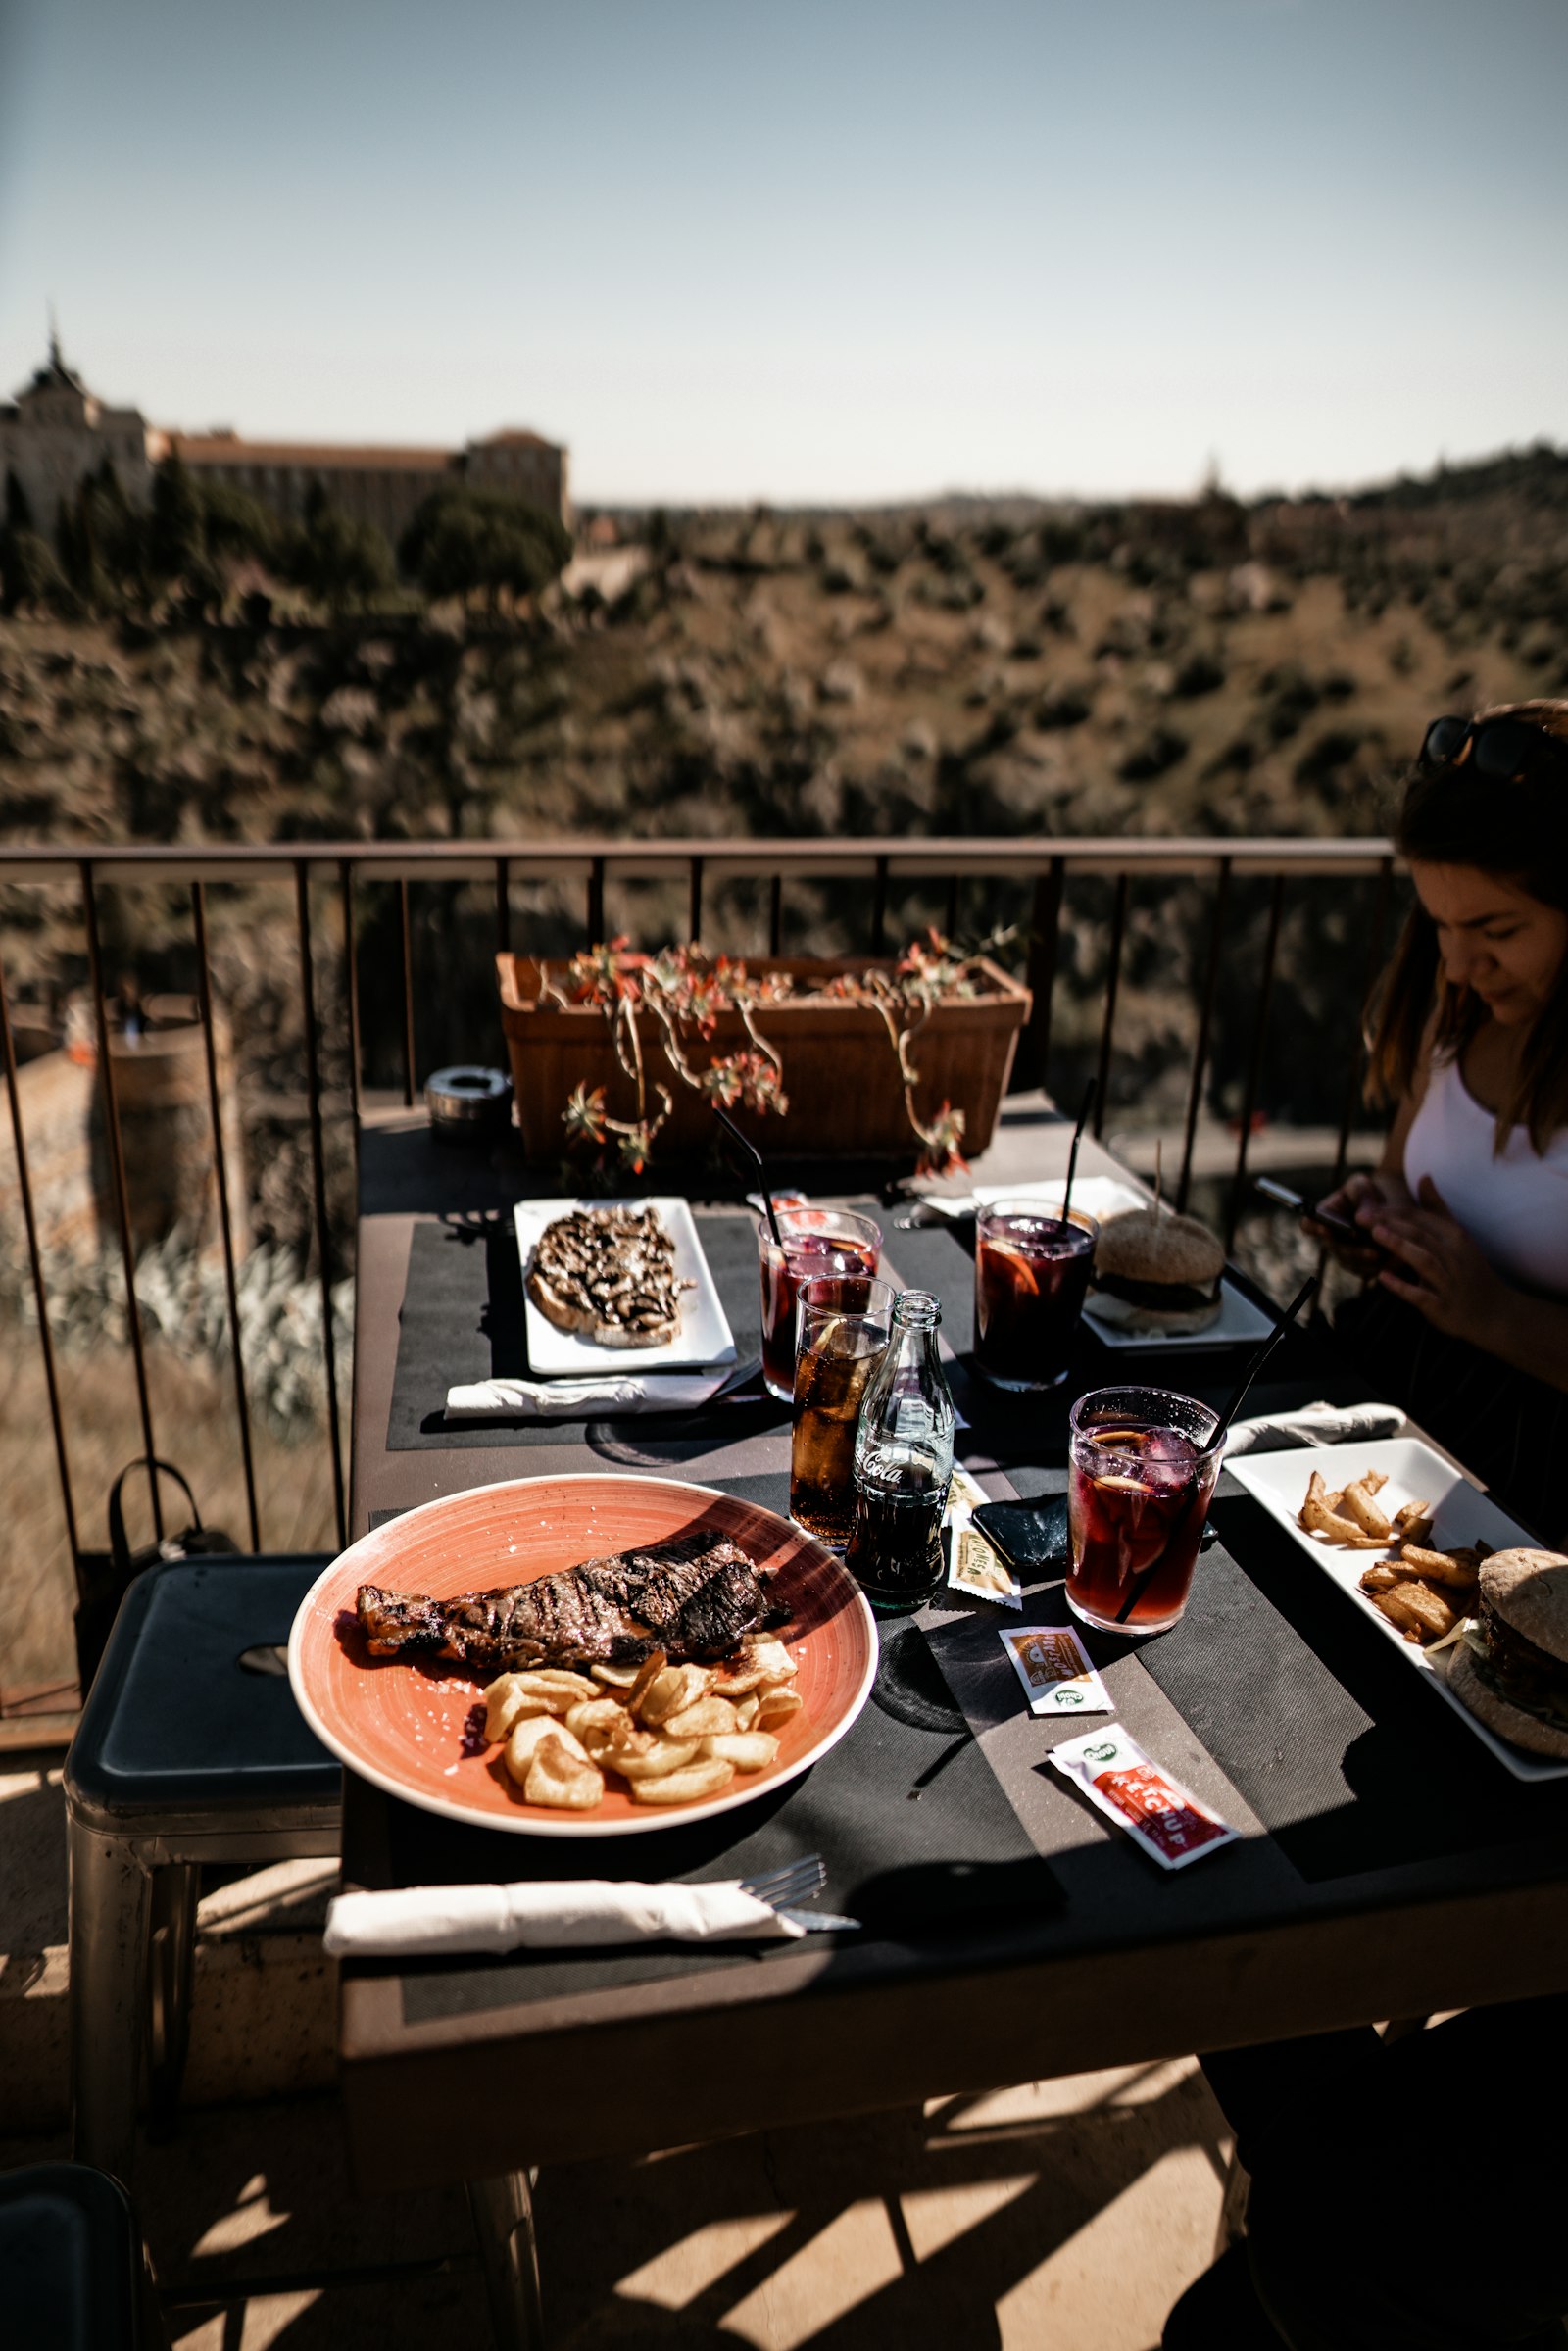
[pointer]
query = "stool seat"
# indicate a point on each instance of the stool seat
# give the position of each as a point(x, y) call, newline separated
point(190, 1750)
point(73, 2275)
point(174, 1721)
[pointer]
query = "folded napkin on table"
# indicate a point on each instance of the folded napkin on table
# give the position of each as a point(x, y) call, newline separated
point(420, 1920)
point(1314, 1424)
point(542, 1399)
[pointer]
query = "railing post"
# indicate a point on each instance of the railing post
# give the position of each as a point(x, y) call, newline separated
point(117, 1171)
point(323, 1247)
point(1119, 930)
point(693, 918)
point(596, 904)
point(1206, 1023)
point(40, 1301)
point(879, 909)
point(1357, 1056)
point(502, 905)
point(1044, 932)
point(775, 915)
point(351, 973)
point(1254, 1071)
point(408, 996)
point(204, 981)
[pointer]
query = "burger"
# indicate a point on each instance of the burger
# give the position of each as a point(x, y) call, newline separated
point(1511, 1667)
point(1158, 1272)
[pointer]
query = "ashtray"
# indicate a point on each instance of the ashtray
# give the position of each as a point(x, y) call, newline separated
point(468, 1104)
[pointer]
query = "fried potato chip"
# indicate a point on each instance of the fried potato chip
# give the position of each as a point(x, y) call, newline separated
point(746, 1710)
point(771, 1659)
point(704, 1779)
point(518, 1754)
point(1359, 1506)
point(566, 1782)
point(748, 1751)
point(670, 1693)
point(507, 1702)
point(735, 1679)
point(701, 1720)
point(595, 1714)
point(616, 1677)
point(776, 1708)
point(663, 1756)
point(646, 1674)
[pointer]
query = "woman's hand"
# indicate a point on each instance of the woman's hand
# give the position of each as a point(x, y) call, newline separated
point(1363, 1198)
point(1442, 1271)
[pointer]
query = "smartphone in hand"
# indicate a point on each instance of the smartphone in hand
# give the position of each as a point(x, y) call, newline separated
point(1342, 1228)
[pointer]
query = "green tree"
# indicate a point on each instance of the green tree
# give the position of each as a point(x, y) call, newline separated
point(31, 575)
point(175, 535)
point(460, 541)
point(237, 527)
point(335, 559)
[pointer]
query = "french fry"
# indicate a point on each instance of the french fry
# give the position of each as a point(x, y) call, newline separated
point(595, 1715)
point(1412, 1515)
point(565, 1782)
point(1359, 1506)
point(1417, 1610)
point(1318, 1519)
point(776, 1708)
point(746, 1710)
point(1374, 1480)
point(709, 1778)
point(1439, 1567)
point(670, 1693)
point(702, 1721)
point(616, 1677)
point(665, 1756)
point(1382, 1578)
point(748, 1751)
point(772, 1659)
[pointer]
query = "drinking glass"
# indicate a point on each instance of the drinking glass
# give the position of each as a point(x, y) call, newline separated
point(816, 1240)
point(1142, 1466)
point(844, 1321)
point(1030, 1276)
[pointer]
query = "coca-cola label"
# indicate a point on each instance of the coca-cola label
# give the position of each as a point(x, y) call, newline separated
point(1120, 1781)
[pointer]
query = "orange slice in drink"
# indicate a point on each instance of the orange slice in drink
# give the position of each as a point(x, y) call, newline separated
point(1018, 1268)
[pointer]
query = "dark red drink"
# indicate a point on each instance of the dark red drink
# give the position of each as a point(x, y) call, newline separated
point(1031, 1275)
point(816, 1240)
point(1139, 1488)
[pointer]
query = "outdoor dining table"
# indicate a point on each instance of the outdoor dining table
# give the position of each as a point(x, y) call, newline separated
point(1387, 1864)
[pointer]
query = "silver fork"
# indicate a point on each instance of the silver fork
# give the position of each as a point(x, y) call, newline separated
point(796, 1882)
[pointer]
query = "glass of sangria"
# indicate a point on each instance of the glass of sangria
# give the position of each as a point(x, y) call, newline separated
point(1142, 1466)
point(1030, 1276)
point(816, 1240)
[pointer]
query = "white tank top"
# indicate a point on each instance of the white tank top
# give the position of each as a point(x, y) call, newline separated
point(1516, 1204)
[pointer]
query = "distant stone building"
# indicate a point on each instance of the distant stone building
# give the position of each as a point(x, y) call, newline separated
point(56, 433)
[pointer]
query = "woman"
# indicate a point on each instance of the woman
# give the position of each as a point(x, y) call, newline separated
point(1466, 1322)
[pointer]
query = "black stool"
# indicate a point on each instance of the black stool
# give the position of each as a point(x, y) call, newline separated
point(73, 2273)
point(190, 1749)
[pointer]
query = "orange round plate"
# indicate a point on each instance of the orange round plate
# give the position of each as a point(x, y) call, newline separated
point(402, 1724)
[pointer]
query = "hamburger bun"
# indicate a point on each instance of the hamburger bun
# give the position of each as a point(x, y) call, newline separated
point(1158, 1272)
point(1512, 1673)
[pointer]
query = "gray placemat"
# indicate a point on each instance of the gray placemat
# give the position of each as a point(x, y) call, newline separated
point(463, 1320)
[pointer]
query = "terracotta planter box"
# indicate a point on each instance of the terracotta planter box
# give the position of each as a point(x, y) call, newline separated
point(840, 1071)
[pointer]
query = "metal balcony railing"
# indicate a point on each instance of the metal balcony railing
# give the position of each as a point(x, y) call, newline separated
point(345, 870)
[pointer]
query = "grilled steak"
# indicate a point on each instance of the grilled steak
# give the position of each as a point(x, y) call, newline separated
point(693, 1597)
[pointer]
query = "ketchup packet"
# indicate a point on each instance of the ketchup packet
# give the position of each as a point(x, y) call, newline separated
point(1055, 1668)
point(1158, 1813)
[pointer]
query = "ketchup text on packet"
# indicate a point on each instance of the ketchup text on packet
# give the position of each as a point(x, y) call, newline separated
point(1148, 1797)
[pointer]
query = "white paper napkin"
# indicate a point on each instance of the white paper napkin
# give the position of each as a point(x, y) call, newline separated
point(1314, 1424)
point(418, 1920)
point(544, 1399)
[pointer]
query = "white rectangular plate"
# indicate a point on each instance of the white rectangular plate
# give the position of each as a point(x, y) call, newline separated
point(1416, 1473)
point(704, 1336)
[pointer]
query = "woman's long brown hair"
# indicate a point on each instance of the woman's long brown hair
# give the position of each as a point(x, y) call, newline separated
point(1519, 834)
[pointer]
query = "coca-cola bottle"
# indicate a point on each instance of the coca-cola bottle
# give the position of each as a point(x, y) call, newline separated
point(902, 1463)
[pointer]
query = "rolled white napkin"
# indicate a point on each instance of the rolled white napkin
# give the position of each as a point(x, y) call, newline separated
point(546, 1399)
point(418, 1920)
point(1314, 1424)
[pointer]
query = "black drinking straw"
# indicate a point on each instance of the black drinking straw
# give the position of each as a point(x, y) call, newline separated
point(1259, 1358)
point(756, 1158)
point(1306, 1290)
point(1073, 1156)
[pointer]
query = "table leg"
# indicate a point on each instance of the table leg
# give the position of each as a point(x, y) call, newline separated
point(110, 1894)
point(501, 2210)
point(170, 1960)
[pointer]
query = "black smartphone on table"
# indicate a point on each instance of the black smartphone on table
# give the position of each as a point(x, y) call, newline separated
point(1031, 1537)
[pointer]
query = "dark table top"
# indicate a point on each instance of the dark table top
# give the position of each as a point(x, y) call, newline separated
point(1387, 1865)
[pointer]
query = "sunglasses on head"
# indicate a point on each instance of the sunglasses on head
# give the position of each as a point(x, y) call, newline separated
point(1502, 750)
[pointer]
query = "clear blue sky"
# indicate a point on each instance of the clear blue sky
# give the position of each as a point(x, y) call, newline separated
point(807, 249)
